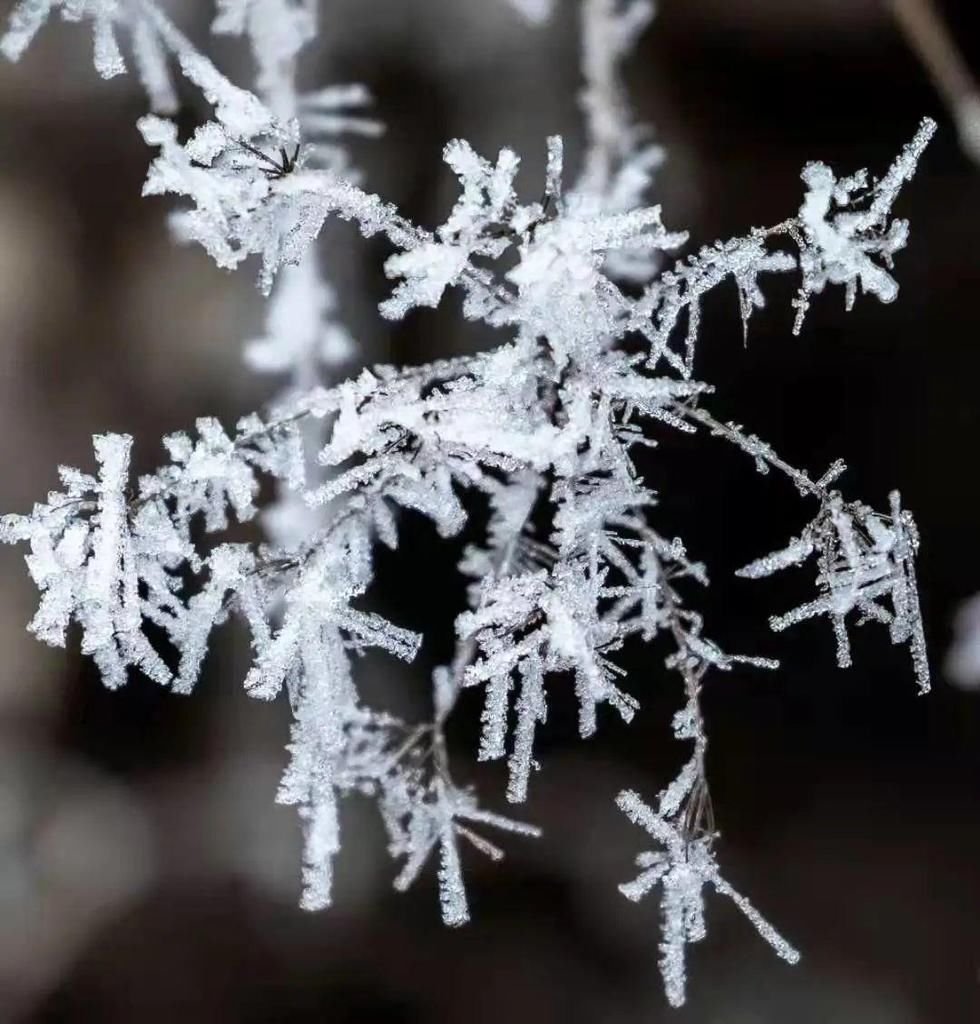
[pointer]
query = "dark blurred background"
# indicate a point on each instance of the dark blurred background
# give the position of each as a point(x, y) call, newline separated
point(145, 872)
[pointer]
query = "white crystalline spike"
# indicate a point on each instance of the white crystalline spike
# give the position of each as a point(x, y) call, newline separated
point(837, 469)
point(643, 883)
point(252, 601)
point(553, 175)
point(632, 805)
point(531, 709)
point(137, 651)
point(103, 572)
point(112, 451)
point(111, 667)
point(499, 821)
point(782, 948)
point(452, 892)
point(152, 65)
point(677, 791)
point(325, 714)
point(418, 854)
point(58, 570)
point(588, 700)
point(322, 843)
point(500, 183)
point(911, 630)
point(326, 127)
point(108, 60)
point(673, 942)
point(493, 737)
point(485, 847)
point(798, 550)
point(375, 631)
point(843, 641)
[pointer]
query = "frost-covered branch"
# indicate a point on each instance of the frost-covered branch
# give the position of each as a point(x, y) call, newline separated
point(597, 360)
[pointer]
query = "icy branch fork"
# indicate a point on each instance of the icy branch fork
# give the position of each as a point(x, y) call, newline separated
point(601, 325)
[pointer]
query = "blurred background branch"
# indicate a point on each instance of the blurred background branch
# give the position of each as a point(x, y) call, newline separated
point(935, 45)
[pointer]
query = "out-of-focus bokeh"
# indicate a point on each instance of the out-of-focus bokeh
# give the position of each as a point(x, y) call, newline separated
point(146, 873)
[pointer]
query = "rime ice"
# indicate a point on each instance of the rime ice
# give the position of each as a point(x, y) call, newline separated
point(599, 324)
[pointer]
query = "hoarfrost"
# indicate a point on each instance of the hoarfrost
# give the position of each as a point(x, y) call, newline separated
point(600, 323)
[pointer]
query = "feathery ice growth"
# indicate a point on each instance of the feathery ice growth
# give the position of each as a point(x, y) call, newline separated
point(599, 323)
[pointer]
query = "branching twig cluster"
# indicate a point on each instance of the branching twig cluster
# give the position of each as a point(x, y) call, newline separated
point(600, 326)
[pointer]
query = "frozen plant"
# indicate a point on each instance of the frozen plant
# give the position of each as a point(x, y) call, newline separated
point(599, 325)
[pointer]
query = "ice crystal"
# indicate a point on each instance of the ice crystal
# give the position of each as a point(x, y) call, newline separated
point(88, 558)
point(319, 601)
point(683, 867)
point(866, 565)
point(598, 358)
point(845, 223)
point(438, 815)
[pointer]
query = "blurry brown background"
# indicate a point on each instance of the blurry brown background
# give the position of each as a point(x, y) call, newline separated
point(145, 872)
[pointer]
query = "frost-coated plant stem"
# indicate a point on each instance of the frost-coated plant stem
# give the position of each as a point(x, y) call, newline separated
point(600, 327)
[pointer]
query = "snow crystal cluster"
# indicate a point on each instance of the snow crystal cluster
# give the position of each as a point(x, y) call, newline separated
point(599, 325)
